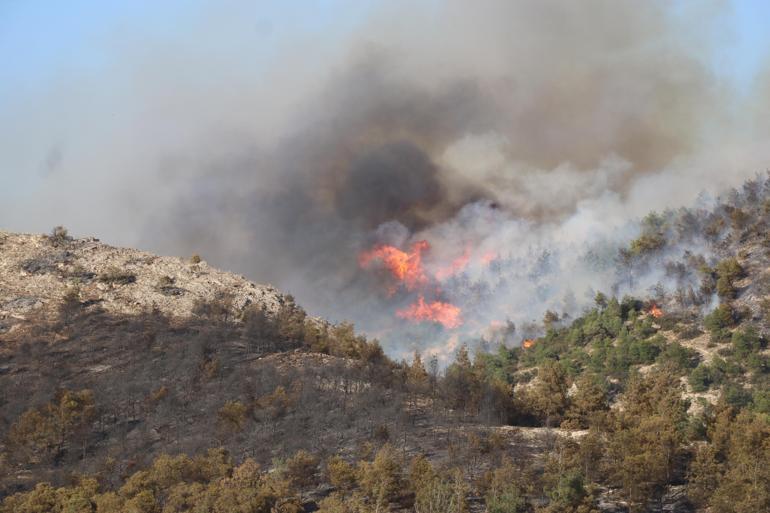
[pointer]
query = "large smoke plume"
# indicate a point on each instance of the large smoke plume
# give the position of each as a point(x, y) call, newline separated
point(520, 139)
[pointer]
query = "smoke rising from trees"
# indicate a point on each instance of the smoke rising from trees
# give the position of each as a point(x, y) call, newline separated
point(527, 135)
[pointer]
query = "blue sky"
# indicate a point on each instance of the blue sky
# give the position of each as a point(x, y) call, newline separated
point(39, 39)
point(751, 50)
point(51, 45)
point(45, 44)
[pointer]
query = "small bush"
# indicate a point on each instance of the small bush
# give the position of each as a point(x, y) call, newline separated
point(761, 401)
point(167, 288)
point(115, 276)
point(647, 243)
point(301, 470)
point(737, 396)
point(745, 342)
point(47, 263)
point(738, 218)
point(704, 376)
point(195, 259)
point(718, 322)
point(156, 396)
point(210, 368)
point(381, 433)
point(59, 236)
point(764, 307)
point(79, 274)
point(678, 355)
point(233, 415)
point(728, 271)
point(690, 332)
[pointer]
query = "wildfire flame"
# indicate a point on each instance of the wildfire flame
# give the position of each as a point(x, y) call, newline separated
point(405, 267)
point(446, 314)
point(527, 343)
point(489, 257)
point(655, 311)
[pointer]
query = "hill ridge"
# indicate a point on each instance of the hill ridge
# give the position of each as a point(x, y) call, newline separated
point(38, 271)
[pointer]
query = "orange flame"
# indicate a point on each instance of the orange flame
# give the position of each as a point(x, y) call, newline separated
point(655, 311)
point(446, 314)
point(405, 267)
point(527, 343)
point(489, 257)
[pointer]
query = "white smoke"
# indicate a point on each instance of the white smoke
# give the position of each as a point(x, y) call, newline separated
point(528, 136)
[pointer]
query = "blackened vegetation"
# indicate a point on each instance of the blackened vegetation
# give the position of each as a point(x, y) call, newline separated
point(94, 393)
point(262, 386)
point(46, 264)
point(115, 276)
point(166, 286)
point(654, 404)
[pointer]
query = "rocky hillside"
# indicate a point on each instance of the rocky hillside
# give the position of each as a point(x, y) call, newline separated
point(151, 349)
point(38, 271)
point(112, 359)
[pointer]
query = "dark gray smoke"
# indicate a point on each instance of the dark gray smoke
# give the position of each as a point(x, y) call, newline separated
point(533, 131)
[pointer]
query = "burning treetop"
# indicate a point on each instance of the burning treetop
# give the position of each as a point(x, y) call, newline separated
point(446, 314)
point(408, 270)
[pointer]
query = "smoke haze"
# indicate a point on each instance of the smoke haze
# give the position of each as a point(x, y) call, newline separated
point(521, 139)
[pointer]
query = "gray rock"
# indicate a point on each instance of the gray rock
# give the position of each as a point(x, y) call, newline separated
point(22, 304)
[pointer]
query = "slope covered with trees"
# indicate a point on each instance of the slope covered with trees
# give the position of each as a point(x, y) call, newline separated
point(653, 403)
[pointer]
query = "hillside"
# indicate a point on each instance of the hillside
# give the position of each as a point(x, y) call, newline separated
point(111, 359)
point(38, 271)
point(159, 344)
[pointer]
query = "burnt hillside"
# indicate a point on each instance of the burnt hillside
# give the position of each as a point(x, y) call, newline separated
point(110, 362)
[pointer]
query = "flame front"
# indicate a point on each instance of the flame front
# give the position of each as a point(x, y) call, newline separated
point(405, 267)
point(488, 257)
point(655, 311)
point(446, 314)
point(409, 273)
point(527, 343)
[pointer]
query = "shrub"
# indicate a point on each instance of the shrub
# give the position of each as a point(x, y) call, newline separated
point(738, 218)
point(745, 342)
point(647, 243)
point(301, 470)
point(568, 493)
point(728, 271)
point(718, 322)
point(704, 376)
point(677, 354)
point(445, 495)
point(715, 227)
point(167, 288)
point(59, 236)
point(381, 480)
point(341, 474)
point(761, 401)
point(233, 415)
point(725, 289)
point(47, 430)
point(218, 308)
point(736, 395)
point(276, 404)
point(115, 276)
point(507, 493)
